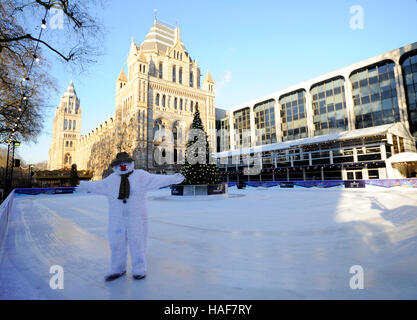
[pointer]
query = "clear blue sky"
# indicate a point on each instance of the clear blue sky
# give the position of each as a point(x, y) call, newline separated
point(251, 48)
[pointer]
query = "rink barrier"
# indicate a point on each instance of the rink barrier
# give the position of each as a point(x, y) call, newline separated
point(5, 209)
point(35, 191)
point(386, 183)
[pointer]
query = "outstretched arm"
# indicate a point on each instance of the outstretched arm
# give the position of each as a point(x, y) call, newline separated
point(156, 181)
point(97, 187)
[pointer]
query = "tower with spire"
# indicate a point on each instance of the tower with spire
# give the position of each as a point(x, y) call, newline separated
point(161, 90)
point(66, 131)
point(158, 88)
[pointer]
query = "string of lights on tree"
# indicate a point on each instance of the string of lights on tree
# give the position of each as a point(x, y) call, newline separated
point(24, 100)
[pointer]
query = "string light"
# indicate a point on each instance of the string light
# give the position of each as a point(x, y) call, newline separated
point(26, 78)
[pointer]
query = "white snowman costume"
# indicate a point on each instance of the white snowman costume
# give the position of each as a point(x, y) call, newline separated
point(128, 219)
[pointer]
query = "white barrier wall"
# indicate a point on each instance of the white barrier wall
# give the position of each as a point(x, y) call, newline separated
point(5, 210)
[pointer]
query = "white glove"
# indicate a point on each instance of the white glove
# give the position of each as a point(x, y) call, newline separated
point(178, 178)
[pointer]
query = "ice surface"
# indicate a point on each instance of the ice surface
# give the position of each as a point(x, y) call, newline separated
point(266, 244)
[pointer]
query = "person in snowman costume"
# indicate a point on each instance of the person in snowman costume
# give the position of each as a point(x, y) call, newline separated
point(126, 190)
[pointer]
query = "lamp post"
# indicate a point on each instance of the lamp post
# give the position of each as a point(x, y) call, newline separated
point(30, 174)
point(8, 181)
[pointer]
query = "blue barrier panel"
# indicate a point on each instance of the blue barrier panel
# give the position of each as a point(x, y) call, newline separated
point(35, 191)
point(387, 183)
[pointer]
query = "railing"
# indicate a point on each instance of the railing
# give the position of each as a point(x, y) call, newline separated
point(387, 183)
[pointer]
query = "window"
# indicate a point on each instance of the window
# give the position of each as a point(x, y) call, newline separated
point(66, 143)
point(163, 100)
point(69, 125)
point(409, 67)
point(181, 104)
point(191, 107)
point(180, 75)
point(67, 158)
point(73, 124)
point(65, 124)
point(293, 115)
point(157, 99)
point(375, 101)
point(242, 127)
point(191, 79)
point(265, 122)
point(175, 103)
point(174, 74)
point(160, 70)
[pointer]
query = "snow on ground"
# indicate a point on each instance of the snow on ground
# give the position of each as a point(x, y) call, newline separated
point(259, 244)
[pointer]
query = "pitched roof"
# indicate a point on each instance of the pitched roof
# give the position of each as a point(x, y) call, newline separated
point(70, 90)
point(159, 37)
point(208, 78)
point(122, 76)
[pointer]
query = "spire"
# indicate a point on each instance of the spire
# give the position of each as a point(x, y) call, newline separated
point(133, 49)
point(177, 34)
point(70, 90)
point(208, 78)
point(122, 76)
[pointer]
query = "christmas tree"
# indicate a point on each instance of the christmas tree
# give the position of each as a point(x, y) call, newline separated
point(201, 172)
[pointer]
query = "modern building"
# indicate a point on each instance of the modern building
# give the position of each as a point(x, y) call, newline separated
point(342, 125)
point(160, 91)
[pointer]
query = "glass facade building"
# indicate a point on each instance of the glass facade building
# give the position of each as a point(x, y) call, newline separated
point(329, 107)
point(265, 122)
point(409, 67)
point(374, 95)
point(346, 124)
point(293, 115)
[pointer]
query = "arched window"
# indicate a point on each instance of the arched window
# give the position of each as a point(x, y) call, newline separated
point(67, 158)
point(180, 76)
point(69, 126)
point(163, 100)
point(160, 70)
point(175, 103)
point(144, 68)
point(66, 143)
point(157, 99)
point(191, 79)
point(159, 129)
point(140, 68)
point(73, 124)
point(175, 156)
point(181, 104)
point(65, 124)
point(196, 105)
point(191, 106)
point(174, 71)
point(71, 144)
point(175, 133)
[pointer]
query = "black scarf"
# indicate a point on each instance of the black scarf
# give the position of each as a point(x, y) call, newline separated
point(124, 190)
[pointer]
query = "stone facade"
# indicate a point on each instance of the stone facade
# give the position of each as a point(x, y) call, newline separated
point(160, 91)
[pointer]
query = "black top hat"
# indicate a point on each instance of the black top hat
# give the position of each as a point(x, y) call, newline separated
point(120, 158)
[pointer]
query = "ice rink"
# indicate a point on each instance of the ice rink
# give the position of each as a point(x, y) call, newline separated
point(259, 244)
